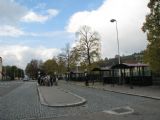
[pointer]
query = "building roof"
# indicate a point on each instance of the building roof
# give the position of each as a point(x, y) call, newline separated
point(128, 65)
point(107, 68)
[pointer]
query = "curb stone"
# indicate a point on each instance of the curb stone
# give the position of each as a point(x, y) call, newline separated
point(145, 96)
point(83, 100)
point(41, 98)
point(44, 102)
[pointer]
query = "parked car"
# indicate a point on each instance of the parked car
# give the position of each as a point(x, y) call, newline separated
point(26, 78)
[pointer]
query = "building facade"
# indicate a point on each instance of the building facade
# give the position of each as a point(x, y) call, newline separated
point(0, 68)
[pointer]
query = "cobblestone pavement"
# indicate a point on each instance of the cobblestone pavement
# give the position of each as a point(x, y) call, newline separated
point(7, 86)
point(23, 104)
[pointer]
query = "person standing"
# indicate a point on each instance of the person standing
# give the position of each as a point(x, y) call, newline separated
point(56, 80)
point(51, 80)
point(86, 79)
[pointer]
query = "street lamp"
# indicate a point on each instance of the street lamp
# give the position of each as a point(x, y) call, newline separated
point(113, 20)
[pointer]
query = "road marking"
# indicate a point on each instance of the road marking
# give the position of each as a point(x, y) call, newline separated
point(120, 111)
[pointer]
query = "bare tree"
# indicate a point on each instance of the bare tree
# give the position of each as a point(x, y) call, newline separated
point(70, 56)
point(89, 44)
point(66, 55)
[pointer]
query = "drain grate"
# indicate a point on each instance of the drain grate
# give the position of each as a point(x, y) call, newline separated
point(120, 111)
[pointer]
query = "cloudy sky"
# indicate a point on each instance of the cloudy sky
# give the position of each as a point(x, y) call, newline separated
point(39, 29)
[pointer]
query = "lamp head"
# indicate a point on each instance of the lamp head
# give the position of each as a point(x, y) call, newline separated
point(112, 20)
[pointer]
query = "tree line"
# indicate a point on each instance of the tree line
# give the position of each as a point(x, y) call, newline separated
point(12, 73)
point(84, 55)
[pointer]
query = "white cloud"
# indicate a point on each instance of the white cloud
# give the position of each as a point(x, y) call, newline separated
point(130, 15)
point(10, 31)
point(52, 12)
point(20, 55)
point(35, 17)
point(11, 12)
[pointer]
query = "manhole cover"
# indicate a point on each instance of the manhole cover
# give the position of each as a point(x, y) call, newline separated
point(120, 111)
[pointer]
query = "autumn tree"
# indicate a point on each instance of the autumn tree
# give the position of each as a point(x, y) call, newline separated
point(61, 64)
point(69, 58)
point(74, 57)
point(32, 69)
point(50, 66)
point(20, 73)
point(152, 28)
point(88, 45)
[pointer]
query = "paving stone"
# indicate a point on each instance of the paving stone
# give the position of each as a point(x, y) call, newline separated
point(23, 104)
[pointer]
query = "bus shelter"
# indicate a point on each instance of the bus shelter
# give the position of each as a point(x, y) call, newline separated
point(133, 74)
point(103, 74)
point(76, 76)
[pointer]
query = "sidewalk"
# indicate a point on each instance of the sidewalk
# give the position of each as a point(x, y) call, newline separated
point(57, 97)
point(143, 91)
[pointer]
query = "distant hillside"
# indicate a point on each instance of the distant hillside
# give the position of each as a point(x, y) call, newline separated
point(134, 58)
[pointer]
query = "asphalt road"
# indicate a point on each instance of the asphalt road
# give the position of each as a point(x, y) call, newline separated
point(21, 102)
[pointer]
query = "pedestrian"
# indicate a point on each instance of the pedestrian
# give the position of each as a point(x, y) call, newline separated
point(56, 81)
point(39, 79)
point(42, 80)
point(51, 80)
point(48, 80)
point(86, 79)
point(92, 78)
point(67, 78)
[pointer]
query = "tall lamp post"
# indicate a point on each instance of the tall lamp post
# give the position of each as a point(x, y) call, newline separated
point(113, 20)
